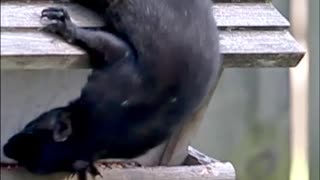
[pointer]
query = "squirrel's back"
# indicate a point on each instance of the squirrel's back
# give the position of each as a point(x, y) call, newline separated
point(176, 41)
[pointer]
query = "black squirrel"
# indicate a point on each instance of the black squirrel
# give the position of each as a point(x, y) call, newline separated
point(154, 63)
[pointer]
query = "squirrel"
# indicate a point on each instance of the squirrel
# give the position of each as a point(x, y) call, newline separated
point(153, 64)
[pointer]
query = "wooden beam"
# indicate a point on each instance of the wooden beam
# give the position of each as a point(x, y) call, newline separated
point(246, 40)
point(25, 16)
point(198, 167)
point(36, 50)
point(245, 16)
point(216, 171)
point(235, 1)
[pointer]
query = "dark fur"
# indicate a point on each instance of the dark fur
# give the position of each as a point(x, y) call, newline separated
point(154, 63)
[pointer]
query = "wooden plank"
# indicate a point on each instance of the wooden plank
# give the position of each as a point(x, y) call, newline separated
point(260, 49)
point(196, 157)
point(35, 50)
point(35, 43)
point(216, 171)
point(17, 16)
point(237, 1)
point(29, 50)
point(248, 16)
point(222, 1)
point(22, 16)
point(199, 167)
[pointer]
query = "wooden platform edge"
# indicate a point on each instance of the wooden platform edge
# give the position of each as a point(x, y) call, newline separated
point(197, 166)
point(18, 16)
point(240, 49)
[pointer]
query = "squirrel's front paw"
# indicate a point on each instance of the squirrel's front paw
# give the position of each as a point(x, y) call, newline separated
point(58, 22)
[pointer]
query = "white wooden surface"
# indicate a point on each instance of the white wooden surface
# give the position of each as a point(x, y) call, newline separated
point(252, 35)
point(228, 15)
point(35, 50)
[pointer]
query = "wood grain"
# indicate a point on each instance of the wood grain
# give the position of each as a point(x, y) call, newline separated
point(26, 16)
point(36, 50)
point(201, 167)
point(235, 1)
point(21, 16)
point(217, 171)
point(248, 16)
point(246, 40)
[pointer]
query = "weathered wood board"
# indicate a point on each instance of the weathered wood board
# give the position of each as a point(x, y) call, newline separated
point(17, 15)
point(197, 167)
point(35, 50)
point(246, 38)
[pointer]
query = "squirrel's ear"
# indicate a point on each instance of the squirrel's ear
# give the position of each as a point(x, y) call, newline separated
point(62, 128)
